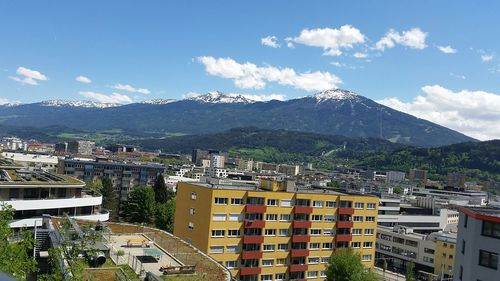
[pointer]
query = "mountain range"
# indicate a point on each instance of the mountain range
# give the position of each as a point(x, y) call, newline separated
point(332, 112)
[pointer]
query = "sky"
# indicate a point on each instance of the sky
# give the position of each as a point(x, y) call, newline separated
point(437, 60)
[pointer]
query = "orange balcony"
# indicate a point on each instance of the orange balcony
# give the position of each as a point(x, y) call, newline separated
point(301, 238)
point(250, 270)
point(298, 267)
point(301, 224)
point(300, 253)
point(251, 255)
point(343, 237)
point(346, 211)
point(255, 209)
point(302, 209)
point(344, 224)
point(258, 239)
point(255, 224)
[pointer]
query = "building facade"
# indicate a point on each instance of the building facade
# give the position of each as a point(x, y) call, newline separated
point(444, 257)
point(275, 231)
point(478, 243)
point(81, 147)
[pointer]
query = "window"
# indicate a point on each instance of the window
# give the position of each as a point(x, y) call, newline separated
point(325, 259)
point(463, 246)
point(369, 231)
point(313, 246)
point(235, 217)
point(232, 249)
point(359, 205)
point(267, 262)
point(398, 240)
point(328, 232)
point(268, 247)
point(356, 231)
point(429, 251)
point(322, 273)
point(285, 217)
point(233, 233)
point(327, 245)
point(193, 195)
point(313, 260)
point(283, 232)
point(329, 218)
point(279, 276)
point(236, 201)
point(271, 217)
point(312, 274)
point(272, 202)
point(461, 273)
point(412, 243)
point(220, 201)
point(216, 249)
point(370, 219)
point(218, 233)
point(219, 217)
point(366, 258)
point(367, 244)
point(190, 225)
point(330, 204)
point(286, 203)
point(270, 232)
point(315, 231)
point(491, 229)
point(191, 211)
point(357, 218)
point(318, 204)
point(283, 247)
point(370, 206)
point(429, 260)
point(316, 217)
point(281, 261)
point(355, 245)
point(466, 218)
point(232, 264)
point(266, 277)
point(488, 259)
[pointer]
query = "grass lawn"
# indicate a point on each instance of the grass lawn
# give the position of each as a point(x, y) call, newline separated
point(176, 277)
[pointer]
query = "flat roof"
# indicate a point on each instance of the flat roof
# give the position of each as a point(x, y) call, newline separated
point(482, 213)
point(12, 176)
point(113, 163)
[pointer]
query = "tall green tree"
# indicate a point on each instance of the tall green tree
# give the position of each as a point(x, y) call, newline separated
point(164, 217)
point(162, 192)
point(345, 265)
point(410, 275)
point(141, 205)
point(14, 256)
point(109, 198)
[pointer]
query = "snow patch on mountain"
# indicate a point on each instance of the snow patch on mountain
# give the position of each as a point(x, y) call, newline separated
point(335, 94)
point(87, 104)
point(158, 101)
point(218, 97)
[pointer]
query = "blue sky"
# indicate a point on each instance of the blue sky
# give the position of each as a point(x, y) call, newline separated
point(136, 50)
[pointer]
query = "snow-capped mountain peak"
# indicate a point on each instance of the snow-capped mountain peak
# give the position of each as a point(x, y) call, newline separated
point(158, 101)
point(68, 103)
point(218, 97)
point(335, 94)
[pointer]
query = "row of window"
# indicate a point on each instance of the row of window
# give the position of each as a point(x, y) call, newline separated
point(283, 217)
point(221, 233)
point(283, 276)
point(234, 249)
point(280, 262)
point(287, 202)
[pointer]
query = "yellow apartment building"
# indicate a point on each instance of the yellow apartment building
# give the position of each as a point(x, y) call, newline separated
point(444, 255)
point(276, 231)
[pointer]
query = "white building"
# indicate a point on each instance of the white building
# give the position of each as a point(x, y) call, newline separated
point(12, 143)
point(217, 161)
point(46, 163)
point(35, 193)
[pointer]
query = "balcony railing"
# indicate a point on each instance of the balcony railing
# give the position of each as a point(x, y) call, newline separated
point(255, 239)
point(255, 224)
point(298, 267)
point(301, 238)
point(302, 209)
point(249, 255)
point(345, 224)
point(299, 253)
point(250, 270)
point(346, 211)
point(301, 224)
point(343, 237)
point(260, 209)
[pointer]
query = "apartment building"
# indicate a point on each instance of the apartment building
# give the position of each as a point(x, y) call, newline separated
point(81, 147)
point(275, 231)
point(124, 176)
point(444, 257)
point(34, 193)
point(478, 243)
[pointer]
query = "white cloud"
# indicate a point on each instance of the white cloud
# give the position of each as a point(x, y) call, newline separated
point(474, 113)
point(111, 98)
point(28, 76)
point(486, 58)
point(459, 76)
point(337, 64)
point(250, 76)
point(270, 41)
point(447, 49)
point(413, 38)
point(332, 40)
point(131, 89)
point(360, 55)
point(83, 79)
point(4, 101)
point(289, 42)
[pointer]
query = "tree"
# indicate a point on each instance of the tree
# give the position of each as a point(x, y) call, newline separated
point(141, 205)
point(345, 265)
point(95, 185)
point(109, 198)
point(162, 192)
point(164, 217)
point(14, 257)
point(397, 190)
point(409, 272)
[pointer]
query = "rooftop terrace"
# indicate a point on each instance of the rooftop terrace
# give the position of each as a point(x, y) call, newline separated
point(10, 175)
